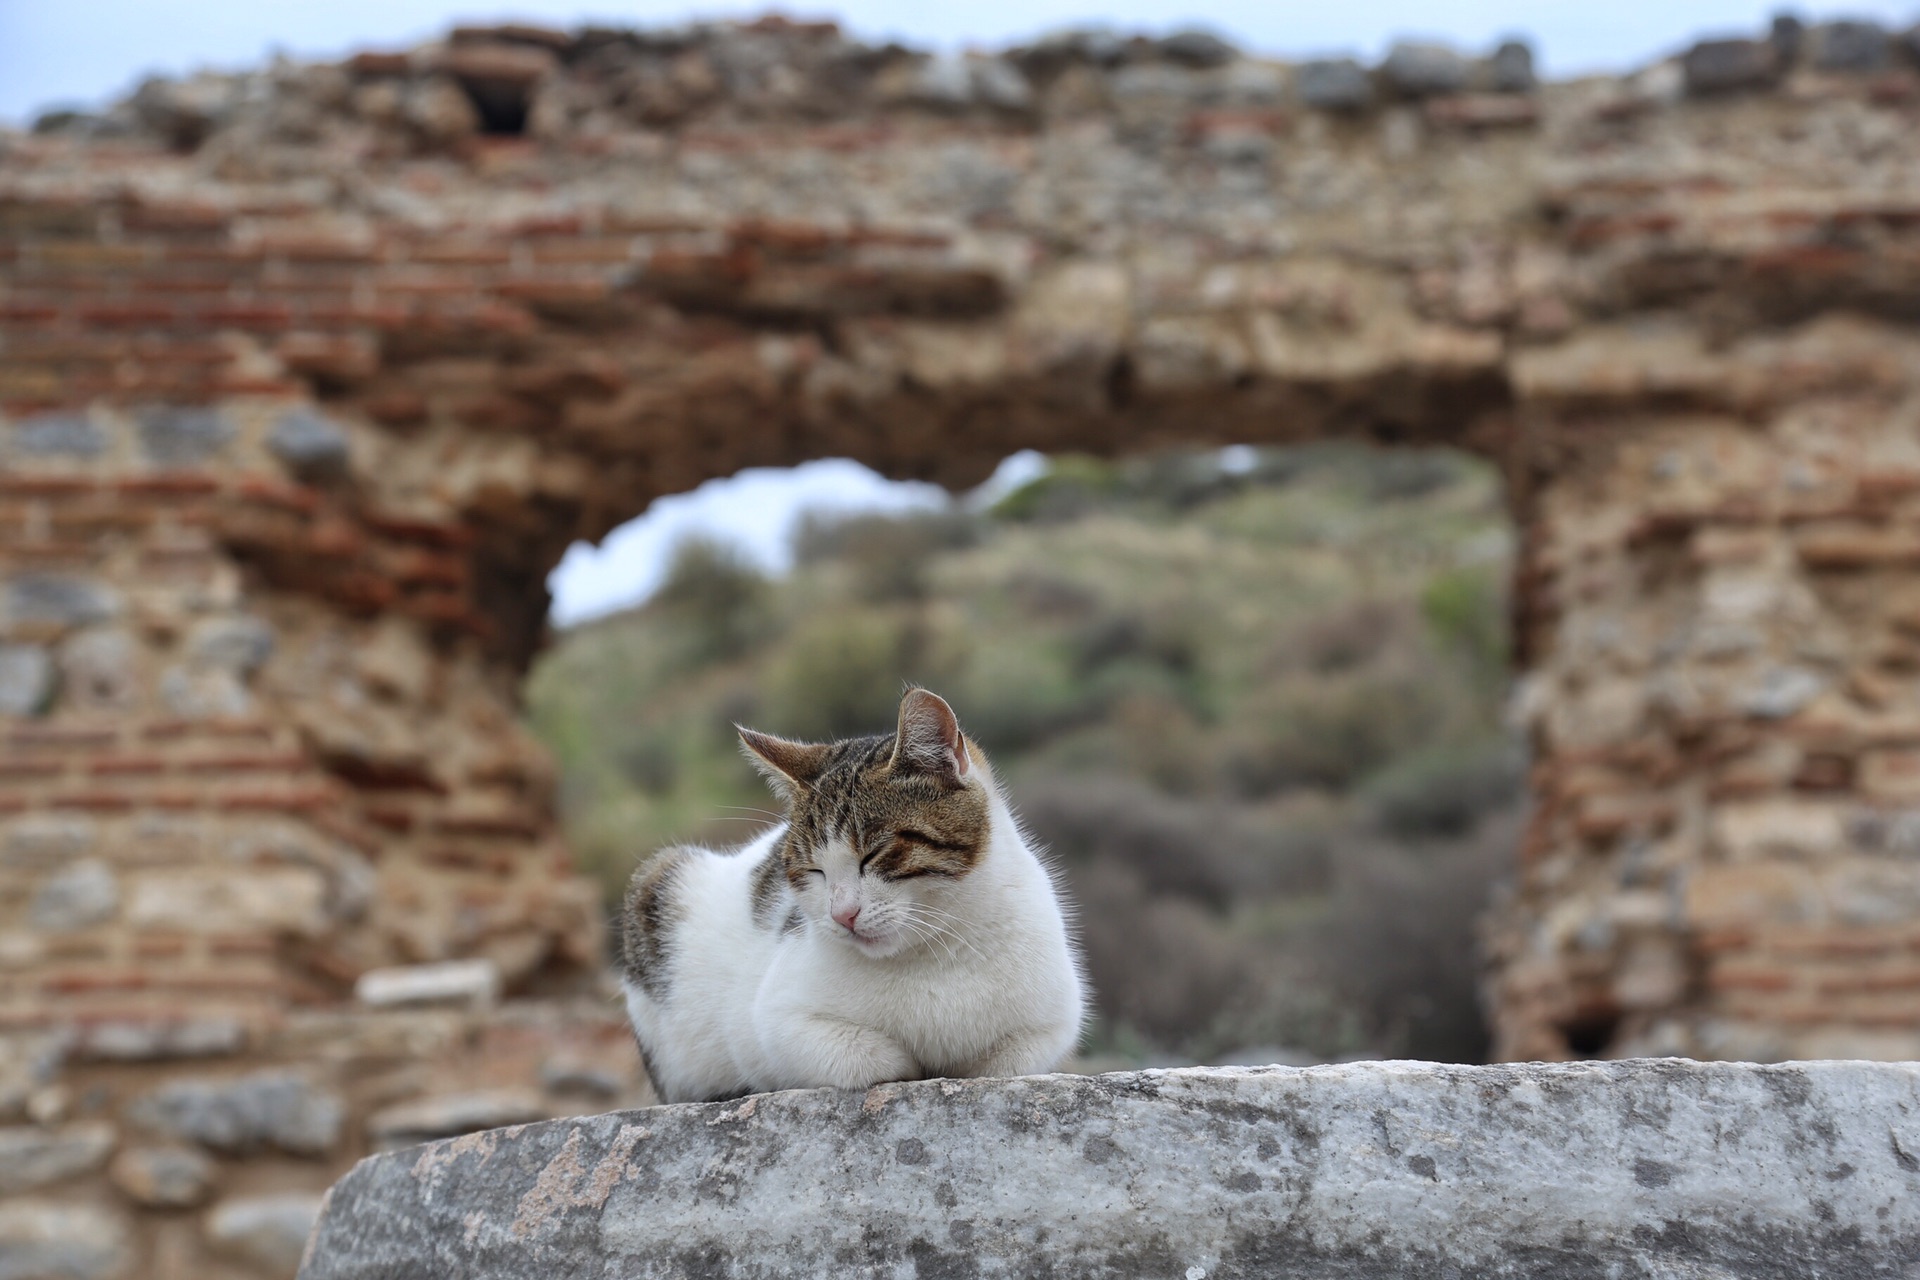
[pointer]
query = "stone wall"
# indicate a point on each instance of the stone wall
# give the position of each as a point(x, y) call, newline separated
point(309, 375)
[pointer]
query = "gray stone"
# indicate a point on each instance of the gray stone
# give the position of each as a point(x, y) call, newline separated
point(179, 437)
point(1420, 69)
point(99, 668)
point(245, 1114)
point(203, 693)
point(32, 1157)
point(239, 643)
point(1334, 84)
point(475, 983)
point(28, 1063)
point(309, 444)
point(567, 1075)
point(1782, 691)
point(40, 1240)
point(1197, 47)
point(163, 1177)
point(1649, 1168)
point(1849, 46)
point(46, 841)
point(59, 600)
point(941, 81)
point(26, 679)
point(451, 1114)
point(162, 1040)
point(1726, 66)
point(1511, 68)
point(998, 83)
point(1785, 35)
point(59, 435)
point(81, 896)
point(268, 1232)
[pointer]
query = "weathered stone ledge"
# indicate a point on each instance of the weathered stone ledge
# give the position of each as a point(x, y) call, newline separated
point(1657, 1167)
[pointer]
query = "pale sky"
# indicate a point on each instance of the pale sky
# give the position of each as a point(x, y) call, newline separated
point(87, 51)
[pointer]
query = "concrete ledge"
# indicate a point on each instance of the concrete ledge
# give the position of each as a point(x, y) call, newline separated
point(1619, 1169)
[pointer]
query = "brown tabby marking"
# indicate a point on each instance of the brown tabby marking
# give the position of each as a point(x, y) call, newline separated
point(765, 892)
point(648, 916)
point(904, 823)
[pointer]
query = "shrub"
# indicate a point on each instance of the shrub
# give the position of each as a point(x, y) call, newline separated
point(1445, 790)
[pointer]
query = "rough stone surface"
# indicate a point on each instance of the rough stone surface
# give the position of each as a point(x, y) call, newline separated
point(271, 1108)
point(32, 1157)
point(1647, 1168)
point(268, 1232)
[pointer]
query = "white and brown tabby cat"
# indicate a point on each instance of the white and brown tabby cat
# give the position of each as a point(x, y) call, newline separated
point(896, 926)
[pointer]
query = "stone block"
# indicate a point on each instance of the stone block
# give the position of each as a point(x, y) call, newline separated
point(83, 895)
point(58, 435)
point(1370, 1169)
point(57, 601)
point(309, 444)
point(32, 1157)
point(268, 1232)
point(449, 1115)
point(469, 982)
point(163, 1177)
point(1197, 47)
point(158, 1039)
point(26, 679)
point(1727, 66)
point(1510, 69)
point(240, 643)
point(1421, 69)
point(246, 1114)
point(42, 1240)
point(180, 436)
point(1334, 84)
point(1852, 46)
point(100, 669)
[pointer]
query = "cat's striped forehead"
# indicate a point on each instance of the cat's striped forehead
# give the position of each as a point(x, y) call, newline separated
point(912, 824)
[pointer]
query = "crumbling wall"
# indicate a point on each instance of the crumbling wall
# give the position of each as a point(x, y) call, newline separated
point(309, 376)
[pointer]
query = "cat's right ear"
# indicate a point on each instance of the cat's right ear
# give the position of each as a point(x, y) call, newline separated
point(787, 765)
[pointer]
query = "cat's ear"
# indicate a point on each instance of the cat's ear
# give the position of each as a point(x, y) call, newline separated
point(787, 765)
point(929, 739)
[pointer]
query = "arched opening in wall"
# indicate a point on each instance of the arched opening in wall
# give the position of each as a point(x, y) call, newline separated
point(1251, 699)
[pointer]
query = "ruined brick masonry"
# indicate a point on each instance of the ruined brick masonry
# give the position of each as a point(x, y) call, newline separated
point(309, 375)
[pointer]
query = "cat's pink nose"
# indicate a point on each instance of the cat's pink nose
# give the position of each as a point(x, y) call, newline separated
point(845, 916)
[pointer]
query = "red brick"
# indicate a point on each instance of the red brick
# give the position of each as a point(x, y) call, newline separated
point(127, 766)
point(96, 801)
point(169, 484)
point(126, 313)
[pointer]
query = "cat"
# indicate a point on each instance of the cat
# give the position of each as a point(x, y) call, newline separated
point(897, 926)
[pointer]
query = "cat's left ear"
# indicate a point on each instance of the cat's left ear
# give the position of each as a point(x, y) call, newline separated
point(929, 739)
point(787, 765)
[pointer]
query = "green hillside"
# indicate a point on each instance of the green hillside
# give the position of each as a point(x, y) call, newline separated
point(1255, 716)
